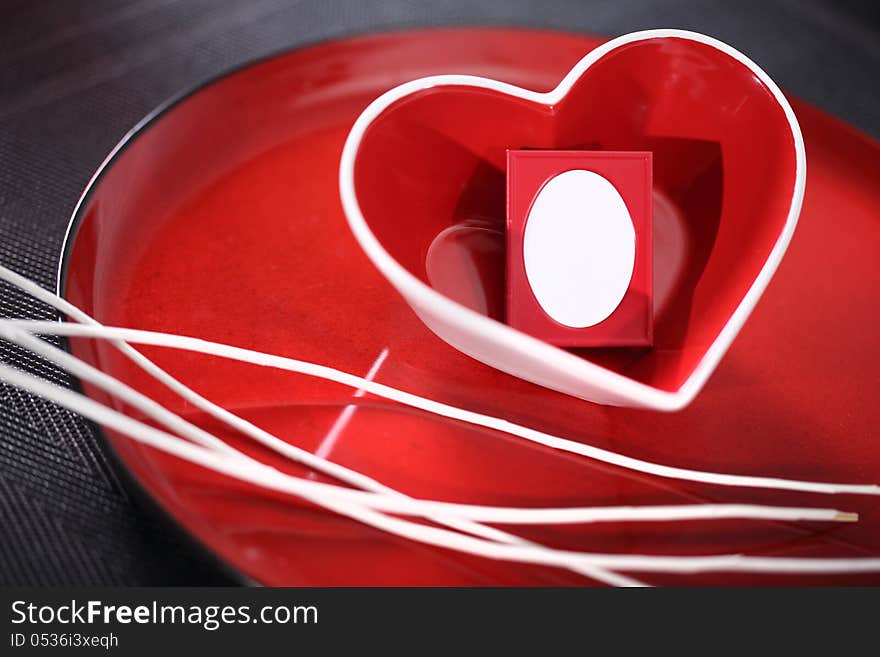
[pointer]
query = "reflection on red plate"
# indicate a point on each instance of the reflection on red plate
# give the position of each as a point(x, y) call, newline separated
point(222, 220)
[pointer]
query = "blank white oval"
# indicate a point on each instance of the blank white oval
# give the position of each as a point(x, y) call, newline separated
point(579, 248)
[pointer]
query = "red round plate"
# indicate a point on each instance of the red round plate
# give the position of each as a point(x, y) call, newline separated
point(220, 218)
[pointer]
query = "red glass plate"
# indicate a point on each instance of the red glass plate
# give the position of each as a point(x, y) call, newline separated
point(219, 217)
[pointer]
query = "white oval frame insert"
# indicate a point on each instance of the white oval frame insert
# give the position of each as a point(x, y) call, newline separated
point(579, 247)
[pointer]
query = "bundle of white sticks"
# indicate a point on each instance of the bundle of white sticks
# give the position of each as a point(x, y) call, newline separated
point(454, 526)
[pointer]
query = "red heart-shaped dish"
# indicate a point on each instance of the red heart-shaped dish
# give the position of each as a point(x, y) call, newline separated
point(422, 180)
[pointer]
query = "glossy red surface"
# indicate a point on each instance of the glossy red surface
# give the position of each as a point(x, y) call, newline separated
point(222, 220)
point(631, 322)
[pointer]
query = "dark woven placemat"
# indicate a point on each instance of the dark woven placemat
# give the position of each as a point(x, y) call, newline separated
point(74, 76)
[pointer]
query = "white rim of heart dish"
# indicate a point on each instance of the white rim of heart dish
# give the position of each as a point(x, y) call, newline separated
point(629, 391)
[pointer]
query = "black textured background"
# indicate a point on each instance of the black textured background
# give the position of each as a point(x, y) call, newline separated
point(76, 74)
